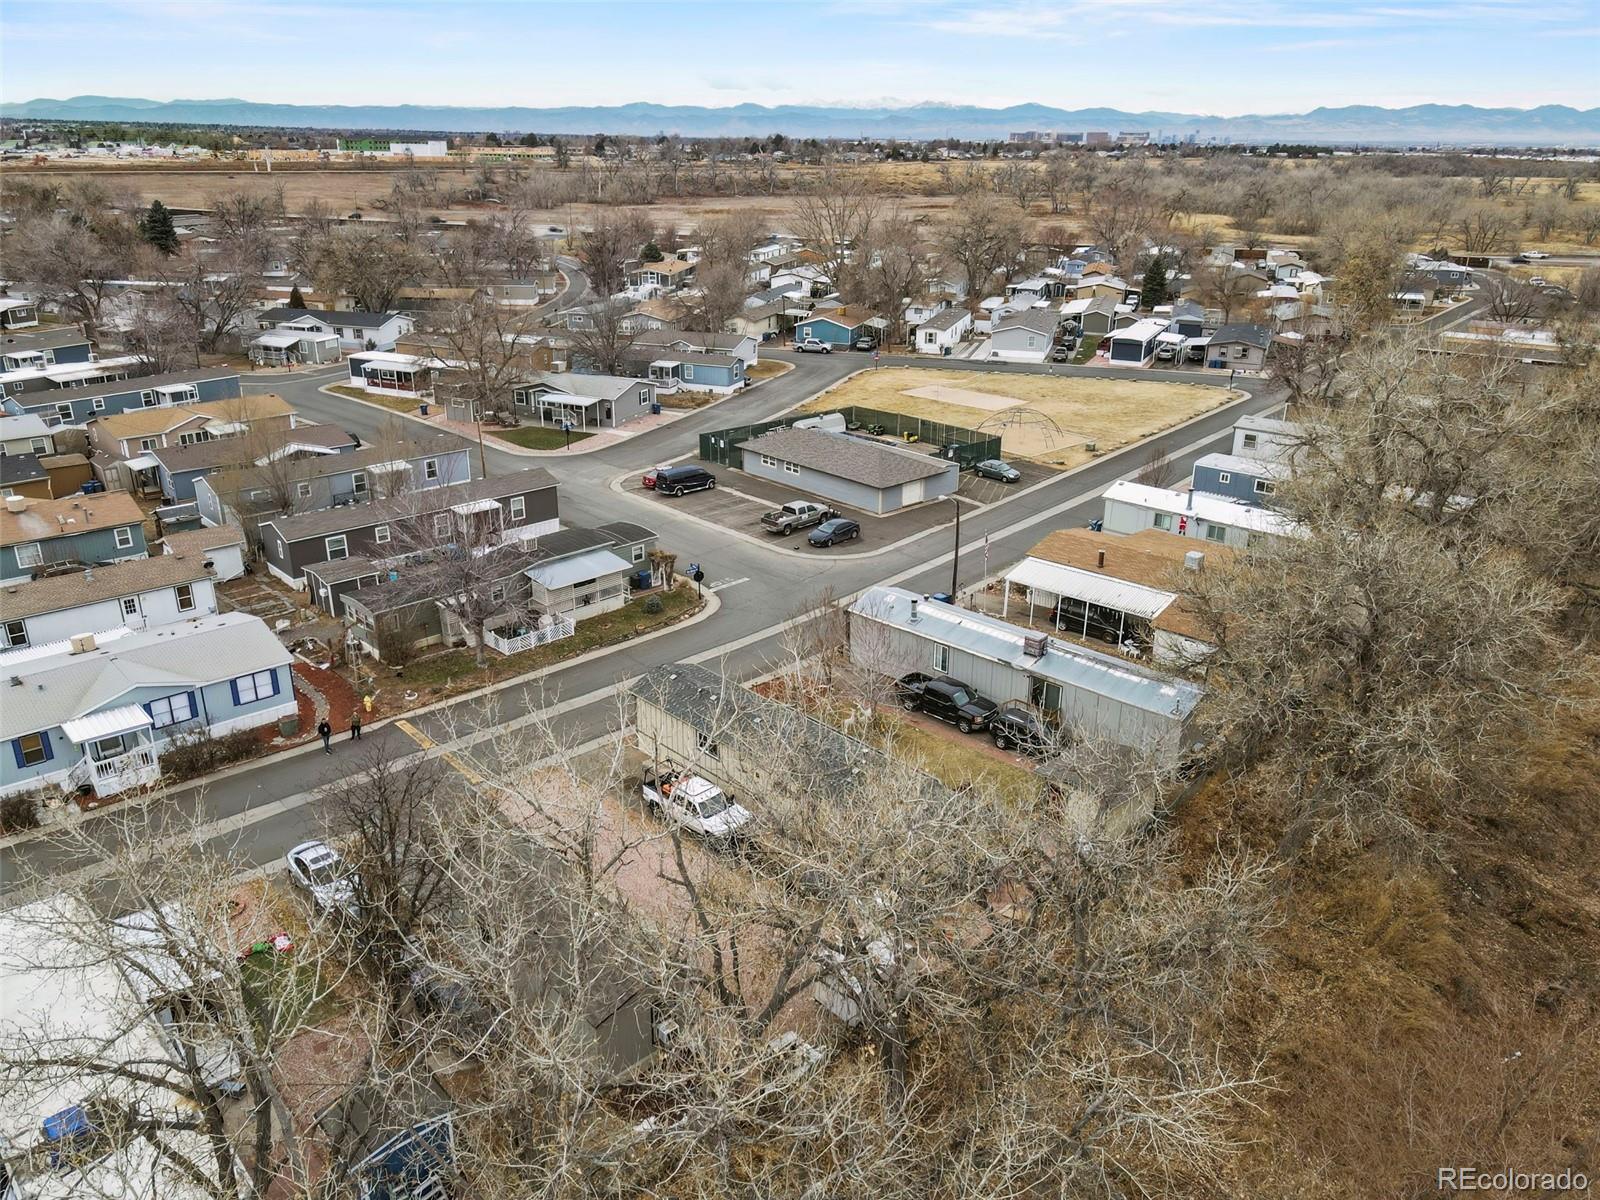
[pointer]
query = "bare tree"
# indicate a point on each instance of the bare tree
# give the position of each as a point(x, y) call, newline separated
point(833, 214)
point(606, 247)
point(604, 340)
point(980, 239)
point(368, 265)
point(74, 258)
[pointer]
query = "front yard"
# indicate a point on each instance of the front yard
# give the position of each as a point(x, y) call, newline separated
point(399, 404)
point(536, 437)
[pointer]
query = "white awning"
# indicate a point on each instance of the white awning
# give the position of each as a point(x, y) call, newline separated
point(227, 428)
point(108, 723)
point(592, 564)
point(278, 339)
point(387, 468)
point(140, 462)
point(1089, 586)
point(469, 507)
point(1170, 339)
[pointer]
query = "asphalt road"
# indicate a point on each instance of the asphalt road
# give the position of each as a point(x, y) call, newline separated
point(261, 809)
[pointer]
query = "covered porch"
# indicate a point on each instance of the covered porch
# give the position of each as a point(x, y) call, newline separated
point(1083, 605)
point(582, 585)
point(119, 751)
point(561, 410)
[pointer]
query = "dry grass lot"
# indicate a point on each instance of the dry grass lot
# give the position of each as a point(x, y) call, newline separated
point(1042, 417)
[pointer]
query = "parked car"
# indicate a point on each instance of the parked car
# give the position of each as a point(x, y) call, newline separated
point(1062, 353)
point(1016, 725)
point(1195, 353)
point(865, 343)
point(994, 468)
point(837, 529)
point(812, 346)
point(1534, 255)
point(696, 804)
point(794, 516)
point(948, 699)
point(1166, 352)
point(1538, 281)
point(652, 474)
point(675, 481)
point(318, 868)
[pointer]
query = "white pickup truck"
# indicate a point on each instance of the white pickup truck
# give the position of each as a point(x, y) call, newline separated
point(794, 516)
point(696, 804)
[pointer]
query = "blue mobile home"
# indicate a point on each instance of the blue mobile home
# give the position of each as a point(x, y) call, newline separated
point(1247, 480)
point(86, 402)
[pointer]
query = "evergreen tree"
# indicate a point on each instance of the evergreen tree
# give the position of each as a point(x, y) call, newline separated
point(296, 300)
point(651, 253)
point(157, 228)
point(1154, 291)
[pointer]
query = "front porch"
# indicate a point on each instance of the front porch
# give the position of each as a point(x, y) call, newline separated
point(524, 634)
point(120, 751)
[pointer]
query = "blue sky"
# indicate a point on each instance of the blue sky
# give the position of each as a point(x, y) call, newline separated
point(1178, 55)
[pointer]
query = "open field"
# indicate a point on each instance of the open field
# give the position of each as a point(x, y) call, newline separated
point(1042, 417)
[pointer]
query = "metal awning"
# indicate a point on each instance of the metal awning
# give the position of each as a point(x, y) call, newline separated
point(279, 339)
point(140, 462)
point(387, 468)
point(1089, 586)
point(468, 507)
point(590, 565)
point(108, 723)
point(227, 428)
point(1170, 339)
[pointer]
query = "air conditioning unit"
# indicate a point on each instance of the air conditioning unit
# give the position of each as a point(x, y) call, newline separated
point(1034, 645)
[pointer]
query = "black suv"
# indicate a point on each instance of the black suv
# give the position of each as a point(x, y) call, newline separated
point(675, 481)
point(1017, 726)
point(945, 698)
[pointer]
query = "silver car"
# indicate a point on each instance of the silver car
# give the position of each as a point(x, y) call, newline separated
point(318, 868)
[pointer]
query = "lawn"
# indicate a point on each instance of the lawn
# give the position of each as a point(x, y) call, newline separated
point(536, 437)
point(399, 404)
point(956, 759)
point(1048, 418)
point(768, 368)
point(1086, 349)
point(454, 669)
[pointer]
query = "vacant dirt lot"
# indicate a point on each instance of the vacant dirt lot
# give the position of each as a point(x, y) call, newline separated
point(1041, 417)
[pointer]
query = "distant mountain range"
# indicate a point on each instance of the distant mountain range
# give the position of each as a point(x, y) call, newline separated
point(1461, 124)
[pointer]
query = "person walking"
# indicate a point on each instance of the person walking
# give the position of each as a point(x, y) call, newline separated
point(355, 724)
point(326, 731)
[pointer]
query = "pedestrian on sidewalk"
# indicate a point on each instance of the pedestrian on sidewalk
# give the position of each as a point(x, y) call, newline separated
point(326, 731)
point(355, 724)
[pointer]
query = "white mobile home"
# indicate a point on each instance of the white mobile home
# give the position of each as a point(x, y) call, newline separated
point(1132, 507)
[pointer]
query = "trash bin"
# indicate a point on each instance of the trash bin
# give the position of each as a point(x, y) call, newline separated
point(424, 409)
point(288, 726)
point(655, 408)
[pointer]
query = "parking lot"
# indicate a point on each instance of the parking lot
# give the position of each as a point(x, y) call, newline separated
point(980, 490)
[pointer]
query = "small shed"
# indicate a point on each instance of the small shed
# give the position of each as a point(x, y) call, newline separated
point(1136, 344)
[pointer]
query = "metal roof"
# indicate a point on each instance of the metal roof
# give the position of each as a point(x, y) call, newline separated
point(108, 722)
point(1001, 642)
point(1141, 331)
point(1103, 590)
point(1267, 468)
point(862, 460)
point(591, 564)
point(1209, 508)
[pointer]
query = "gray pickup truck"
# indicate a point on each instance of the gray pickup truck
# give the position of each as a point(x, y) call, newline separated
point(794, 516)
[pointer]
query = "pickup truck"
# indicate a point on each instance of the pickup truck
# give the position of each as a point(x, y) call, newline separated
point(794, 516)
point(696, 804)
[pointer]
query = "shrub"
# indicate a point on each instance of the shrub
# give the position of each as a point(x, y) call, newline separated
point(185, 758)
point(653, 605)
point(20, 812)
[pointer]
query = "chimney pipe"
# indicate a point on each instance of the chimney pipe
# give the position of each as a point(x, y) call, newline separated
point(914, 610)
point(1100, 559)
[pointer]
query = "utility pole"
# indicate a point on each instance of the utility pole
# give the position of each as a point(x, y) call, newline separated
point(955, 558)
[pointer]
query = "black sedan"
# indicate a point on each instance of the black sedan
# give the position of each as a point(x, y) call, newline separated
point(839, 529)
point(1016, 726)
point(994, 468)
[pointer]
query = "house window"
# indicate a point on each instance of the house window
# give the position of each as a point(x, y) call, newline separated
point(1249, 442)
point(130, 606)
point(64, 411)
point(32, 749)
point(688, 371)
point(1265, 487)
point(124, 537)
point(941, 659)
point(380, 534)
point(39, 445)
point(497, 594)
point(430, 468)
point(1216, 533)
point(147, 399)
point(261, 685)
point(336, 547)
point(706, 746)
point(520, 397)
point(189, 439)
point(185, 594)
point(441, 524)
point(16, 634)
point(1224, 477)
point(29, 555)
point(98, 404)
point(519, 507)
point(638, 554)
point(147, 443)
point(303, 490)
point(791, 468)
point(170, 710)
point(1162, 521)
point(358, 483)
point(768, 461)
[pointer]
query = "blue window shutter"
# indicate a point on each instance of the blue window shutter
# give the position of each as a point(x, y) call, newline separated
point(233, 686)
point(194, 705)
point(275, 687)
point(49, 752)
point(16, 750)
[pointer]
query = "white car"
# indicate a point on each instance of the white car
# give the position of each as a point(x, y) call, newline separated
point(696, 804)
point(812, 346)
point(318, 868)
point(1534, 254)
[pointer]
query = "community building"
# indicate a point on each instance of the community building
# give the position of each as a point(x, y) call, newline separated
point(865, 473)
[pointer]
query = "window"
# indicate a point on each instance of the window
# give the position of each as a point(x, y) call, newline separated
point(262, 685)
point(768, 461)
point(638, 554)
point(1224, 477)
point(941, 659)
point(148, 443)
point(124, 537)
point(98, 404)
point(358, 483)
point(39, 445)
point(148, 399)
point(1265, 487)
point(380, 534)
point(16, 634)
point(64, 411)
point(190, 439)
point(688, 371)
point(32, 749)
point(441, 524)
point(170, 710)
point(130, 606)
point(497, 594)
point(791, 468)
point(519, 508)
point(336, 547)
point(430, 468)
point(930, 337)
point(706, 746)
point(303, 490)
point(185, 594)
point(1216, 533)
point(1162, 521)
point(1249, 442)
point(29, 555)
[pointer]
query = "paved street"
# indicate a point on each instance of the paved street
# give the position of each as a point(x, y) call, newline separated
point(262, 808)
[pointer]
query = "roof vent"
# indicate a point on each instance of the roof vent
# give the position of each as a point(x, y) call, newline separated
point(1194, 560)
point(16, 504)
point(914, 616)
point(1100, 559)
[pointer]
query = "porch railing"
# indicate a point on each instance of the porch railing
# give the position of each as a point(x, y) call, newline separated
point(561, 627)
